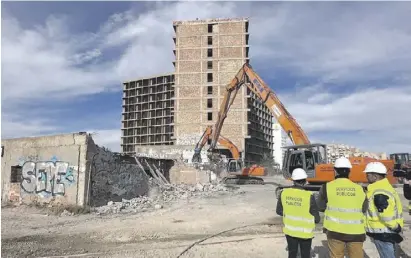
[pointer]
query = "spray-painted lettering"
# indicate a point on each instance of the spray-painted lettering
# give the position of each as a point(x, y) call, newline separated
point(46, 177)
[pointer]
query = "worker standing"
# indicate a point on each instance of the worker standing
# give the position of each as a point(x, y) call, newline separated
point(407, 193)
point(300, 214)
point(384, 220)
point(344, 203)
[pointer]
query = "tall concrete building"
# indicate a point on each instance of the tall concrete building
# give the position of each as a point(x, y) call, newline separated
point(147, 117)
point(208, 54)
point(176, 109)
point(280, 140)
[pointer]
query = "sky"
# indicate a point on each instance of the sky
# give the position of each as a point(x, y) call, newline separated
point(342, 69)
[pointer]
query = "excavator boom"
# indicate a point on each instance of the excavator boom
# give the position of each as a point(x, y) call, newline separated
point(303, 154)
point(247, 76)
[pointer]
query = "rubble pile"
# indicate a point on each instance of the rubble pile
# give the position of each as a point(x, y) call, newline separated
point(335, 151)
point(161, 195)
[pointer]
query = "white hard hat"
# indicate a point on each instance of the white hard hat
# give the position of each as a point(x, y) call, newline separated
point(298, 174)
point(342, 162)
point(375, 167)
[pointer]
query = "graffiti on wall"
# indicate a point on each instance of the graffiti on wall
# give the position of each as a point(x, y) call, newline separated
point(46, 177)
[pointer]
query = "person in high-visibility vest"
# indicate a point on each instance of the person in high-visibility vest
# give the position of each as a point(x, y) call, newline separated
point(384, 220)
point(407, 193)
point(300, 214)
point(344, 204)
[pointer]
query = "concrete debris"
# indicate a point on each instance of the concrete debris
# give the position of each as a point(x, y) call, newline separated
point(161, 195)
point(158, 206)
point(66, 213)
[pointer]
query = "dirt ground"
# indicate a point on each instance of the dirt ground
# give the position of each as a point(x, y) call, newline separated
point(167, 232)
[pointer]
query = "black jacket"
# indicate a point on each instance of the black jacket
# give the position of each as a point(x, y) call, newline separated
point(313, 207)
point(407, 191)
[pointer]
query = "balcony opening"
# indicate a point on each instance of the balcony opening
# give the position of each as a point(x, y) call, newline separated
point(210, 52)
point(209, 77)
point(210, 28)
point(209, 103)
point(209, 40)
point(209, 90)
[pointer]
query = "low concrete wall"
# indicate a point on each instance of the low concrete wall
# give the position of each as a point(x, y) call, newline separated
point(182, 173)
point(69, 169)
point(114, 177)
point(45, 169)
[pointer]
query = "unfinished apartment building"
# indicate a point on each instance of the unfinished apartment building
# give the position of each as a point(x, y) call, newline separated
point(208, 54)
point(147, 112)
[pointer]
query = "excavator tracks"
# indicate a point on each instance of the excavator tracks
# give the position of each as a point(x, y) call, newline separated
point(242, 180)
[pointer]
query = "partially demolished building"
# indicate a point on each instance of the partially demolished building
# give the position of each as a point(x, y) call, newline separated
point(175, 109)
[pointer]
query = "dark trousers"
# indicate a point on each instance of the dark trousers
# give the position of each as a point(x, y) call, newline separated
point(294, 243)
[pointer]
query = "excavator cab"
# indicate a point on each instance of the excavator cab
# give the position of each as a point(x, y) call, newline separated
point(305, 156)
point(402, 165)
point(400, 159)
point(234, 166)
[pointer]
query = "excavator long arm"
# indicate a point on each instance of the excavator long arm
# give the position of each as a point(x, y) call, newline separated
point(247, 76)
point(221, 140)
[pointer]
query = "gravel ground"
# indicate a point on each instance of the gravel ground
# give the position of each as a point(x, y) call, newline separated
point(146, 231)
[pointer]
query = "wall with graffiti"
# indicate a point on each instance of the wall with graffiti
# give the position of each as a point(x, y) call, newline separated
point(68, 169)
point(114, 177)
point(47, 177)
point(44, 169)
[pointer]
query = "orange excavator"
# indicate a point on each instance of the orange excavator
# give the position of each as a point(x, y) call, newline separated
point(235, 153)
point(312, 157)
point(237, 173)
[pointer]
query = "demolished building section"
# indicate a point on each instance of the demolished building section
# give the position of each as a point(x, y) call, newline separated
point(334, 151)
point(175, 109)
point(71, 170)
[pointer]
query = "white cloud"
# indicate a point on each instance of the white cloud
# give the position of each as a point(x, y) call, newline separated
point(377, 118)
point(369, 109)
point(107, 138)
point(362, 45)
point(18, 127)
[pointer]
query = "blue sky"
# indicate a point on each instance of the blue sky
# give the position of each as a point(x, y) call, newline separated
point(342, 69)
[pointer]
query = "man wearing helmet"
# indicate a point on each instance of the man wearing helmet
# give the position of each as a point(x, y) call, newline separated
point(384, 220)
point(344, 203)
point(300, 214)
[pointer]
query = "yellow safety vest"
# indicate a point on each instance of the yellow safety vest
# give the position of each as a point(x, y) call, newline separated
point(391, 217)
point(344, 207)
point(297, 219)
